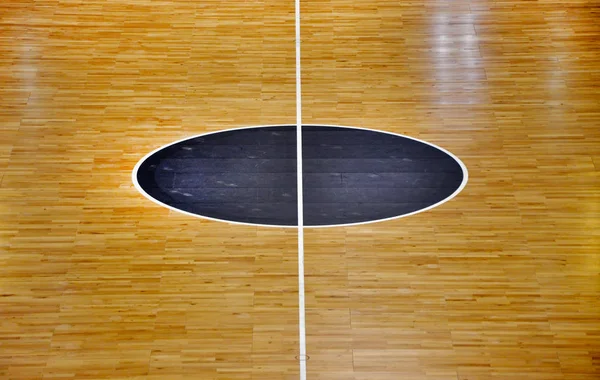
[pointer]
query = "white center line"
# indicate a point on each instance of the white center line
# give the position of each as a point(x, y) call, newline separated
point(301, 299)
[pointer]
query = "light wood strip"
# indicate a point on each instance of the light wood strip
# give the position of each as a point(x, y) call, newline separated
point(500, 283)
point(96, 281)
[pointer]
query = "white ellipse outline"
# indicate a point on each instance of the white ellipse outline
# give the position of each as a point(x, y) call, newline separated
point(450, 197)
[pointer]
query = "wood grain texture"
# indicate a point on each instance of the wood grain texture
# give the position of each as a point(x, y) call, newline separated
point(96, 281)
point(503, 281)
point(500, 283)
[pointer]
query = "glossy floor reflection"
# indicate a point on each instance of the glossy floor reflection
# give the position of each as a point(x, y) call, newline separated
point(499, 283)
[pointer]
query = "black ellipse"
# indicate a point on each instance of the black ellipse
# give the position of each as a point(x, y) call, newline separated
point(350, 175)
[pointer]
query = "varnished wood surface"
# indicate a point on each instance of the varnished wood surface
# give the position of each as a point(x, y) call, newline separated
point(500, 283)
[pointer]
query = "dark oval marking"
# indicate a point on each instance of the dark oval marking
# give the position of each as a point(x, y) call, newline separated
point(351, 175)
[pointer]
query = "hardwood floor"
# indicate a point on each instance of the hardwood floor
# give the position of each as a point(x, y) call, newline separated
point(502, 282)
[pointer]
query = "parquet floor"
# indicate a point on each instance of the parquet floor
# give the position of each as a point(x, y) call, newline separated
point(502, 282)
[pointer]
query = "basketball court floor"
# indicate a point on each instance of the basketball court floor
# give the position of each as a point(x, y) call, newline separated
point(502, 281)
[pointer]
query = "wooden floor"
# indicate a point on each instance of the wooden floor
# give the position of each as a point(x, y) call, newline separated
point(502, 282)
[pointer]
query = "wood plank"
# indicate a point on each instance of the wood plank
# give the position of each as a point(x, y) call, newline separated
point(98, 282)
point(500, 282)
